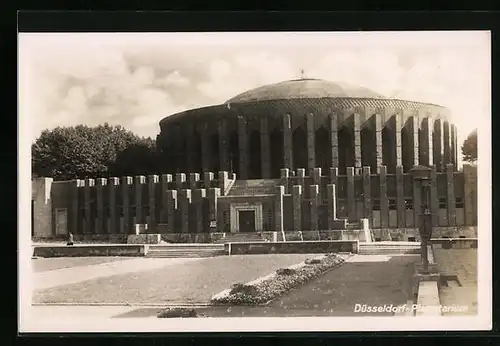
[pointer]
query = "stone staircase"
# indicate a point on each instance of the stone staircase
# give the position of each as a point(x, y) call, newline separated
point(254, 187)
point(389, 248)
point(242, 237)
point(185, 250)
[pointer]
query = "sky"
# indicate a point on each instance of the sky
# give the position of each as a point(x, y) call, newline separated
point(135, 80)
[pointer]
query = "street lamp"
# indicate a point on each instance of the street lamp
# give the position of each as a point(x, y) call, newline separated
point(422, 175)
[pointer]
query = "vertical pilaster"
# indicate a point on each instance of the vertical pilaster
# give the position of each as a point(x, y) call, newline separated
point(287, 141)
point(284, 174)
point(138, 184)
point(171, 210)
point(314, 196)
point(357, 140)
point(434, 203)
point(378, 139)
point(447, 144)
point(75, 185)
point(398, 125)
point(278, 209)
point(297, 207)
point(301, 174)
point(470, 195)
point(206, 149)
point(384, 202)
point(426, 144)
point(450, 193)
point(400, 197)
point(316, 178)
point(334, 140)
point(89, 219)
point(417, 201)
point(332, 205)
point(351, 200)
point(199, 196)
point(207, 178)
point(243, 147)
point(152, 183)
point(194, 178)
point(453, 140)
point(438, 142)
point(180, 179)
point(213, 194)
point(166, 179)
point(223, 181)
point(223, 145)
point(43, 225)
point(126, 182)
point(334, 174)
point(311, 157)
point(367, 191)
point(265, 148)
point(113, 220)
point(101, 223)
point(184, 205)
point(414, 139)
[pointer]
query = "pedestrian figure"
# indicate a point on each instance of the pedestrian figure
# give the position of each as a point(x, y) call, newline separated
point(70, 239)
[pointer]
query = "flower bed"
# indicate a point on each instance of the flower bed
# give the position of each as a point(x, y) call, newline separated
point(270, 287)
point(177, 313)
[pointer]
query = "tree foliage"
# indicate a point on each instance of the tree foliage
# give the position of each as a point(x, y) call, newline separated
point(89, 152)
point(469, 147)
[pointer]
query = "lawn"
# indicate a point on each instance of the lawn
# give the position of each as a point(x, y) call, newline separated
point(46, 264)
point(190, 282)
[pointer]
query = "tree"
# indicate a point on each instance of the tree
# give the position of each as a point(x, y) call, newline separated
point(89, 152)
point(469, 148)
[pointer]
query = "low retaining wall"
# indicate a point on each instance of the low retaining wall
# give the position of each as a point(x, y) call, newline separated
point(407, 234)
point(454, 243)
point(90, 251)
point(144, 239)
point(332, 246)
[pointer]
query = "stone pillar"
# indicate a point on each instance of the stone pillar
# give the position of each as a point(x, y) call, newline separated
point(101, 222)
point(450, 193)
point(314, 196)
point(166, 179)
point(367, 192)
point(414, 139)
point(438, 142)
point(113, 220)
point(400, 197)
point(301, 174)
point(184, 205)
point(180, 179)
point(332, 205)
point(334, 140)
point(243, 147)
point(199, 196)
point(455, 148)
point(89, 219)
point(378, 140)
point(75, 185)
point(334, 173)
point(284, 174)
point(417, 201)
point(311, 157)
point(357, 140)
point(213, 194)
point(207, 178)
point(434, 203)
point(297, 207)
point(265, 148)
point(384, 202)
point(278, 209)
point(126, 182)
point(152, 181)
point(206, 149)
point(223, 145)
point(139, 213)
point(287, 141)
point(453, 140)
point(470, 195)
point(426, 145)
point(351, 200)
point(398, 125)
point(223, 182)
point(171, 210)
point(194, 178)
point(447, 144)
point(42, 207)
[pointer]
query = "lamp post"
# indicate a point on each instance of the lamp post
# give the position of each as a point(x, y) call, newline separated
point(422, 175)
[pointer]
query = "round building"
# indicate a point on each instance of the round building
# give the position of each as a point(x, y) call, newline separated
point(307, 123)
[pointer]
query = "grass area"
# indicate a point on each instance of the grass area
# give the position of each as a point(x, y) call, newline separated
point(189, 282)
point(47, 264)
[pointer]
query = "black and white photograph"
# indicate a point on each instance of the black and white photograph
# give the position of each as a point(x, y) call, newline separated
point(254, 181)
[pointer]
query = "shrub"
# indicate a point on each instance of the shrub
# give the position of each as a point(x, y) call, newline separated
point(313, 261)
point(285, 271)
point(243, 289)
point(177, 313)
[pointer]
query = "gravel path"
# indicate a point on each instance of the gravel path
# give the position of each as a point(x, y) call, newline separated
point(186, 282)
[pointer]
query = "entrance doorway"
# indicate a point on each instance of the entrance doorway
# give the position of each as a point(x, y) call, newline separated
point(246, 220)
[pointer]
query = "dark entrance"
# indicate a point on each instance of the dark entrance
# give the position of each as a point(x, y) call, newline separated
point(246, 220)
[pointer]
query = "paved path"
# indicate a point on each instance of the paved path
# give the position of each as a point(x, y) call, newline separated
point(66, 276)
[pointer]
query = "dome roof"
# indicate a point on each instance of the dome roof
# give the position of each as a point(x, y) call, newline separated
point(303, 88)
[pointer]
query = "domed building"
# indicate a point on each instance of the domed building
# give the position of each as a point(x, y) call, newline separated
point(307, 123)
